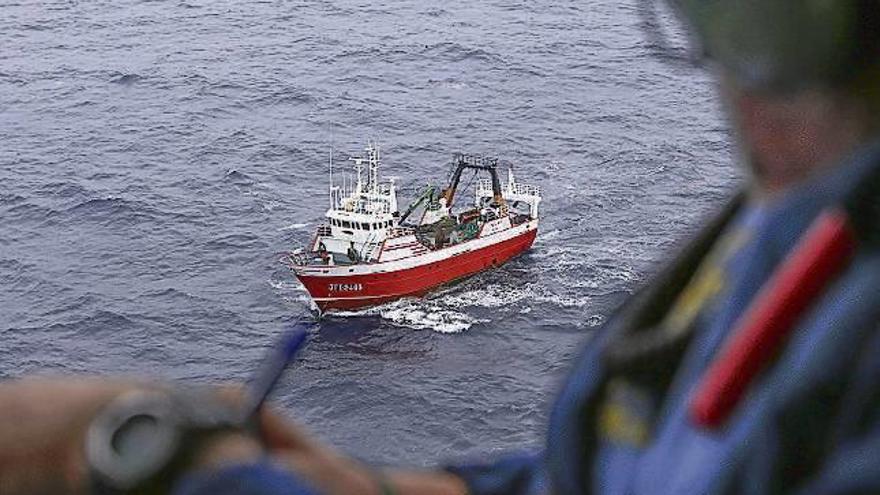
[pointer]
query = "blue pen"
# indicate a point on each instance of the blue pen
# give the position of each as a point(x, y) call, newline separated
point(271, 369)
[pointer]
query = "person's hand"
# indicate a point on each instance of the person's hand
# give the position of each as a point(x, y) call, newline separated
point(43, 424)
point(42, 428)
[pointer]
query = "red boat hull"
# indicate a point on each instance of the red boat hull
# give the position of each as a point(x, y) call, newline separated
point(357, 291)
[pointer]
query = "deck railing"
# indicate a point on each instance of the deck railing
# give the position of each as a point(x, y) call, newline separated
point(484, 187)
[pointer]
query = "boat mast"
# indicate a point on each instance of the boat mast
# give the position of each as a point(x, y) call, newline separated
point(359, 168)
point(332, 203)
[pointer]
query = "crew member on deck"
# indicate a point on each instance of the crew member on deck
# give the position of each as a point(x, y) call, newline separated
point(749, 364)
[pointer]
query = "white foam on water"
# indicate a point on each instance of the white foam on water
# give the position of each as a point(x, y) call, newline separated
point(294, 226)
point(307, 300)
point(287, 286)
point(595, 320)
point(293, 292)
point(419, 314)
point(547, 236)
point(570, 259)
point(504, 295)
point(551, 251)
point(567, 300)
point(587, 283)
point(429, 317)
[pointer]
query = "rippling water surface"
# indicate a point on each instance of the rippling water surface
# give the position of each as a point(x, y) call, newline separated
point(157, 156)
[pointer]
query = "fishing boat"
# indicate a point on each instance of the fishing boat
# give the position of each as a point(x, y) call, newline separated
point(368, 252)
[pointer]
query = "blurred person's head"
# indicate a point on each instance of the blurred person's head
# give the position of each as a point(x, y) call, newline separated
point(800, 78)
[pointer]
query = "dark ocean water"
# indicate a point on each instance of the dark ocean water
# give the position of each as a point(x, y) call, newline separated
point(157, 156)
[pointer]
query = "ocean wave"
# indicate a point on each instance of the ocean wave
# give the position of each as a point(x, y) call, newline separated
point(111, 210)
point(448, 83)
point(70, 306)
point(62, 189)
point(126, 79)
point(238, 178)
point(12, 272)
point(276, 151)
point(28, 212)
point(11, 198)
point(171, 292)
point(455, 52)
point(92, 323)
point(238, 241)
point(284, 96)
point(109, 204)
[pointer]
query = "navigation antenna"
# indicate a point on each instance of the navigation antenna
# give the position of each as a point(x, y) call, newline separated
point(374, 168)
point(332, 203)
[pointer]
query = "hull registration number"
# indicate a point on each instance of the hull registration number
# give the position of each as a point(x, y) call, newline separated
point(345, 287)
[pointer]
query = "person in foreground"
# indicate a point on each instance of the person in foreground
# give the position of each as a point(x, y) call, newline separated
point(749, 364)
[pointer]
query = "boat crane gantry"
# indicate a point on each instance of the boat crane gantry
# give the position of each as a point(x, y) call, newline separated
point(462, 161)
